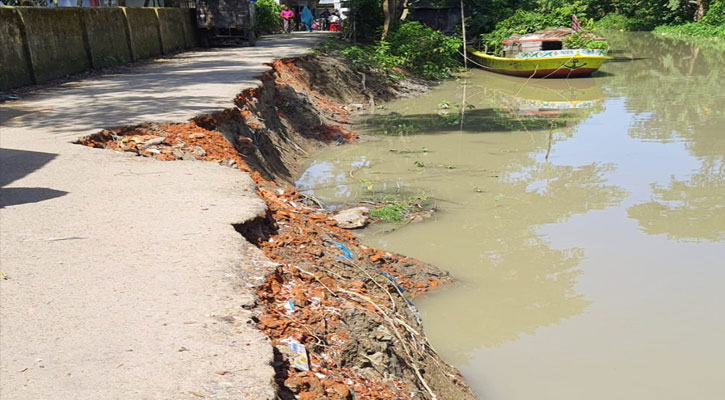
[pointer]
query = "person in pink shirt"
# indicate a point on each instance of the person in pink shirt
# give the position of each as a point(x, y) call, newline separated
point(287, 16)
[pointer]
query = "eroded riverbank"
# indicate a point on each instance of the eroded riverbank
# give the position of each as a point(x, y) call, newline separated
point(347, 303)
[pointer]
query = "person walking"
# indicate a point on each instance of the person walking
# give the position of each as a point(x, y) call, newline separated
point(287, 16)
point(307, 18)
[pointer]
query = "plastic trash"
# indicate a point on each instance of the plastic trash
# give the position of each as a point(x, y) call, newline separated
point(343, 249)
point(300, 361)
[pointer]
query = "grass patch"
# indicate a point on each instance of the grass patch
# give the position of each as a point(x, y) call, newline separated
point(392, 212)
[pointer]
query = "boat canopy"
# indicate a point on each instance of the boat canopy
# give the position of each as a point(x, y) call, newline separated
point(543, 40)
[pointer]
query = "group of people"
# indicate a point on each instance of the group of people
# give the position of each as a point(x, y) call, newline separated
point(326, 20)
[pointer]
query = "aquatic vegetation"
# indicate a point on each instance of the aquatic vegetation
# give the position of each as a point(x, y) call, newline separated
point(396, 210)
point(392, 212)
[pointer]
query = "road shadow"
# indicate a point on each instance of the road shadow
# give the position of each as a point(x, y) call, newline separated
point(16, 196)
point(16, 164)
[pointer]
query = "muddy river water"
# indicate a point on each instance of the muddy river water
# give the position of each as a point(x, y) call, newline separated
point(584, 221)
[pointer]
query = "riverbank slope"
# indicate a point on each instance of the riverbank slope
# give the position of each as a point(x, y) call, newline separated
point(347, 304)
point(314, 282)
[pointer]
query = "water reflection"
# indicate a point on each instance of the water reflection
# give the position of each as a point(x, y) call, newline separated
point(678, 94)
point(584, 221)
point(689, 210)
point(488, 102)
point(513, 281)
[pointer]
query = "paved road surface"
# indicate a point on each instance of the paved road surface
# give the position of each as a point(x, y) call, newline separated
point(126, 279)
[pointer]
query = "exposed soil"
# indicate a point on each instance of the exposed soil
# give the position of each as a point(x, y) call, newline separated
point(348, 304)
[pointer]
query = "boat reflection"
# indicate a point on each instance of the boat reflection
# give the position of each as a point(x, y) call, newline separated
point(543, 98)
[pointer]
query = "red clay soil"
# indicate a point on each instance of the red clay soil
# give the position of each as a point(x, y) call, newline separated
point(350, 308)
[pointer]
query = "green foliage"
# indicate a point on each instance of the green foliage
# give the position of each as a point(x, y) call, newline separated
point(584, 41)
point(397, 209)
point(368, 17)
point(616, 21)
point(694, 29)
point(498, 19)
point(369, 185)
point(392, 212)
point(425, 52)
point(330, 46)
point(645, 15)
point(711, 25)
point(421, 50)
point(266, 17)
point(522, 22)
point(598, 44)
point(377, 57)
point(485, 14)
point(716, 14)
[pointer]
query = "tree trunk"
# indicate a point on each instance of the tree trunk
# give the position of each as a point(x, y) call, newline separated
point(701, 10)
point(392, 10)
point(465, 53)
point(388, 18)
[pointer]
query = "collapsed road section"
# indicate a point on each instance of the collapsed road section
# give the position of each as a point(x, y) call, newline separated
point(339, 313)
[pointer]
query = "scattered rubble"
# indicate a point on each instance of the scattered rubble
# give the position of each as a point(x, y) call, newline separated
point(339, 313)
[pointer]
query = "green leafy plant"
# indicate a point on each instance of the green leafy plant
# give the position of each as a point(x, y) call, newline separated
point(392, 212)
point(266, 17)
point(584, 40)
point(615, 21)
point(522, 22)
point(424, 51)
point(368, 184)
point(711, 25)
point(377, 57)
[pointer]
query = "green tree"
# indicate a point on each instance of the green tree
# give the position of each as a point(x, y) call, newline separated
point(266, 17)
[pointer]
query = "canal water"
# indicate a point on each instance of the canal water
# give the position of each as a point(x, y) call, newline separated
point(584, 221)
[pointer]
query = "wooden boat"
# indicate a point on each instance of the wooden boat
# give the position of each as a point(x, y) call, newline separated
point(550, 64)
point(541, 55)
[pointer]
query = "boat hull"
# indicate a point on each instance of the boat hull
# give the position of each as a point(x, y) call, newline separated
point(541, 67)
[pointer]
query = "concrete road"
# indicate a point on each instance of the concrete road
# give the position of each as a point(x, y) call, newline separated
point(125, 277)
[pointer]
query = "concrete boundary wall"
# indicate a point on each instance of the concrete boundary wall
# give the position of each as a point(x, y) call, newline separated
point(40, 44)
point(14, 61)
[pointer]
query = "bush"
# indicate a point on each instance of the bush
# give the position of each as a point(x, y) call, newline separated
point(368, 20)
point(425, 52)
point(615, 21)
point(419, 49)
point(266, 17)
point(711, 25)
point(520, 23)
point(377, 57)
point(584, 41)
point(523, 22)
point(715, 14)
